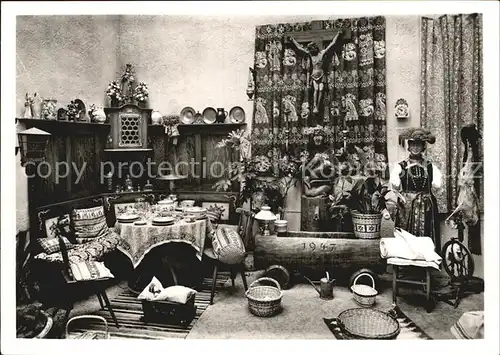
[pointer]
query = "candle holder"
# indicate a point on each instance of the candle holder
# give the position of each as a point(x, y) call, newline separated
point(265, 217)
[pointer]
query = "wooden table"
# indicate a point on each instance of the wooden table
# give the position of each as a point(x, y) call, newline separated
point(170, 253)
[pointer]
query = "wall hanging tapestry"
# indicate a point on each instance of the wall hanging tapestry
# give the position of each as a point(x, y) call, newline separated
point(322, 79)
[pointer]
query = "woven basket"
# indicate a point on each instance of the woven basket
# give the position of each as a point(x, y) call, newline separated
point(364, 295)
point(366, 226)
point(368, 324)
point(264, 301)
point(89, 334)
point(46, 329)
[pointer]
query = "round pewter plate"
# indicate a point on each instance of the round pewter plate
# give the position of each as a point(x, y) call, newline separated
point(187, 115)
point(237, 115)
point(209, 115)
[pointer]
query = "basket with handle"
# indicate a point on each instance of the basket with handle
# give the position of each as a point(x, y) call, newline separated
point(264, 301)
point(46, 329)
point(364, 295)
point(89, 334)
point(364, 323)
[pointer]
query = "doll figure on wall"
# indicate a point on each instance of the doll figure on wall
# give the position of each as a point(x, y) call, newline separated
point(415, 178)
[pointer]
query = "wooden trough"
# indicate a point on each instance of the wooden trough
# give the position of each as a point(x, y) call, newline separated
point(337, 252)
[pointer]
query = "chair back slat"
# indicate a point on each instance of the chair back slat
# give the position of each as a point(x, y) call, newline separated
point(245, 224)
point(64, 252)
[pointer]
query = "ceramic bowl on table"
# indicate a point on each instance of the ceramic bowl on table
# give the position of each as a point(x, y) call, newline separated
point(127, 218)
point(163, 221)
point(198, 212)
point(187, 203)
point(167, 205)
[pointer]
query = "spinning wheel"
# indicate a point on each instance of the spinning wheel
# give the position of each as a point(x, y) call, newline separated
point(459, 265)
point(457, 261)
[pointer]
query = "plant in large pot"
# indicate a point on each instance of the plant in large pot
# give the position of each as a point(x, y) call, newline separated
point(366, 198)
point(366, 201)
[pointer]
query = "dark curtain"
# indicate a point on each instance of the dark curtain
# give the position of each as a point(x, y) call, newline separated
point(354, 94)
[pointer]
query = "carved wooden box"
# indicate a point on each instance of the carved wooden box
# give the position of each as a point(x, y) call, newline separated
point(129, 126)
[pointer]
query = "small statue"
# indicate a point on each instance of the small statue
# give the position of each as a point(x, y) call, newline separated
point(148, 186)
point(28, 106)
point(316, 58)
point(128, 184)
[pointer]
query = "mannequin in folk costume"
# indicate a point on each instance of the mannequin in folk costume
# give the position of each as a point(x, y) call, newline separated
point(415, 178)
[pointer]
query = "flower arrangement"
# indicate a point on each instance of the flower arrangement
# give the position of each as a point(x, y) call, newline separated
point(73, 111)
point(171, 122)
point(141, 93)
point(114, 92)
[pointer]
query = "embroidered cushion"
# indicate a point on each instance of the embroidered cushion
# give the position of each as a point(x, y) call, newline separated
point(89, 223)
point(96, 249)
point(228, 246)
point(51, 224)
point(90, 270)
point(51, 245)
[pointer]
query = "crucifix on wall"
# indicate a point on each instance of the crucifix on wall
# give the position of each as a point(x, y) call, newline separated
point(315, 56)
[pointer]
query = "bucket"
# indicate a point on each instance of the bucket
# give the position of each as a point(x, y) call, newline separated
point(366, 226)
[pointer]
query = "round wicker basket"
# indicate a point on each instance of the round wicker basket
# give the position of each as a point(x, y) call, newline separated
point(368, 324)
point(364, 295)
point(264, 301)
point(366, 226)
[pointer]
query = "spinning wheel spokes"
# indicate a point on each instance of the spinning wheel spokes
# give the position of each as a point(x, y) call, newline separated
point(458, 261)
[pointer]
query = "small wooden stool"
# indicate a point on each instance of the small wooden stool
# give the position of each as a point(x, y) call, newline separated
point(396, 280)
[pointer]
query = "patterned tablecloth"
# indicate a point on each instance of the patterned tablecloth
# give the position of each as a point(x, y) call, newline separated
point(137, 241)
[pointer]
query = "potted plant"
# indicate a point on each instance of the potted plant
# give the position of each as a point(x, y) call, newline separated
point(259, 183)
point(366, 197)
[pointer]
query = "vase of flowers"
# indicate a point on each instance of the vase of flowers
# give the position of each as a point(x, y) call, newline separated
point(114, 93)
point(171, 123)
point(141, 94)
point(73, 111)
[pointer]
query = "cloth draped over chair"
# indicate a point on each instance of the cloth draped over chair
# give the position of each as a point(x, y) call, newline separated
point(451, 92)
point(354, 88)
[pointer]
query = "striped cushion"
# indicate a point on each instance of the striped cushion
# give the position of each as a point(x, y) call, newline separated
point(89, 223)
point(228, 246)
point(51, 245)
point(90, 270)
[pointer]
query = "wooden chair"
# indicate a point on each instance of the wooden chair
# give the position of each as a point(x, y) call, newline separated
point(98, 285)
point(244, 229)
point(398, 279)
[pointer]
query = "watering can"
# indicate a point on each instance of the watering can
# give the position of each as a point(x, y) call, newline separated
point(325, 289)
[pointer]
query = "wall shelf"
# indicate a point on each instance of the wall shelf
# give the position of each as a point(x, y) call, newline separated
point(65, 127)
point(202, 129)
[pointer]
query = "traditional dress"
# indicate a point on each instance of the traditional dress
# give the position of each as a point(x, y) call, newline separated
point(419, 213)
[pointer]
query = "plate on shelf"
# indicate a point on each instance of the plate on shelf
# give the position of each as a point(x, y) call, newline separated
point(140, 223)
point(209, 115)
point(237, 115)
point(187, 115)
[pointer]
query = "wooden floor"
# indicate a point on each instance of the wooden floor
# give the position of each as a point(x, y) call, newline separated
point(128, 311)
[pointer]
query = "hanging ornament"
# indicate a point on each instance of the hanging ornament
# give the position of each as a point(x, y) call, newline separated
point(251, 84)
